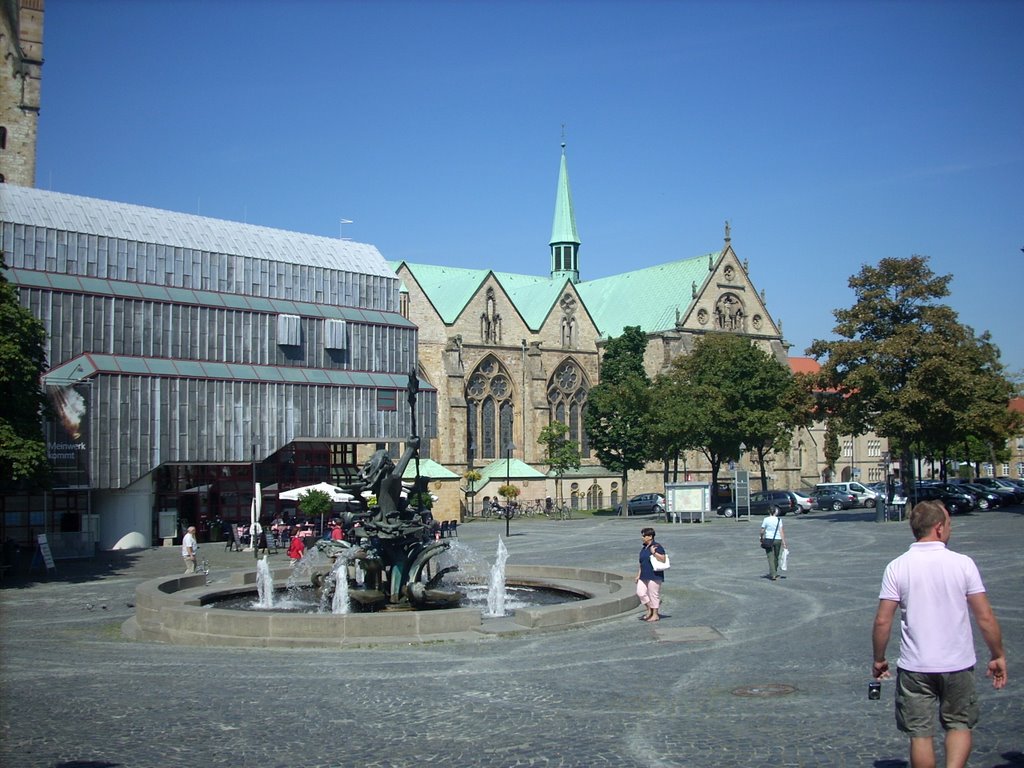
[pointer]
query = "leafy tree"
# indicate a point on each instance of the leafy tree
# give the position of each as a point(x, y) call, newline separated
point(616, 416)
point(472, 477)
point(772, 404)
point(728, 391)
point(899, 349)
point(420, 500)
point(560, 454)
point(22, 401)
point(313, 504)
point(831, 449)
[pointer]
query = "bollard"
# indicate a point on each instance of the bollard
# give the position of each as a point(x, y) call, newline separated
point(879, 508)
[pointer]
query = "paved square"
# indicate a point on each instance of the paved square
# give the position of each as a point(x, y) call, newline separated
point(619, 693)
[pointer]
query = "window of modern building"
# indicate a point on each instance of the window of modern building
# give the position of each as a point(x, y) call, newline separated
point(289, 330)
point(335, 334)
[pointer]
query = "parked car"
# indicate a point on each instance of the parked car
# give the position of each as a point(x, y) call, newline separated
point(955, 502)
point(645, 504)
point(988, 498)
point(834, 499)
point(995, 483)
point(865, 496)
point(805, 502)
point(1019, 482)
point(763, 502)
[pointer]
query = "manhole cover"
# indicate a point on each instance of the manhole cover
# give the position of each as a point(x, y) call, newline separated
point(764, 691)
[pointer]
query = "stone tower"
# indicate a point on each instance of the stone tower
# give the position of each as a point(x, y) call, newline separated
point(21, 39)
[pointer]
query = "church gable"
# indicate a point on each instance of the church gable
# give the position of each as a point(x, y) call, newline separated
point(568, 324)
point(490, 317)
point(727, 301)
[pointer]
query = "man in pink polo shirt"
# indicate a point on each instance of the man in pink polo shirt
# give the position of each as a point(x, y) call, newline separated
point(936, 591)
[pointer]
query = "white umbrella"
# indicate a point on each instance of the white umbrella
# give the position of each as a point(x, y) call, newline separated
point(333, 491)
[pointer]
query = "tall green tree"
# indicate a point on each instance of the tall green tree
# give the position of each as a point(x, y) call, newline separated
point(22, 401)
point(560, 454)
point(725, 393)
point(897, 343)
point(831, 447)
point(616, 416)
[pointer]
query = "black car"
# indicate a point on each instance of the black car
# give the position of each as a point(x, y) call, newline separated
point(954, 502)
point(833, 499)
point(994, 484)
point(763, 503)
point(988, 498)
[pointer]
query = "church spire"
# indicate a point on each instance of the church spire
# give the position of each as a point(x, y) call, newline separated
point(565, 243)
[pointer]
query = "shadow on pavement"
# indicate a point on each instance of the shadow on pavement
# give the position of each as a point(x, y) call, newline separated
point(25, 571)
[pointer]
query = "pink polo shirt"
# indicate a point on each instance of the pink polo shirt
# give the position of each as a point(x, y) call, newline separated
point(931, 584)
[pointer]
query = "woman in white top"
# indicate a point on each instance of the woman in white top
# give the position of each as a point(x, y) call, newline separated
point(773, 539)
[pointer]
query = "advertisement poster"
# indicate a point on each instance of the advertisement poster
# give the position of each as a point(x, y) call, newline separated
point(67, 435)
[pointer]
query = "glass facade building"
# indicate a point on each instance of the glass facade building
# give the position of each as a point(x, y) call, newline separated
point(190, 356)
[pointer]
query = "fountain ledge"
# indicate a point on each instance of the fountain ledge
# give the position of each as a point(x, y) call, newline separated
point(176, 610)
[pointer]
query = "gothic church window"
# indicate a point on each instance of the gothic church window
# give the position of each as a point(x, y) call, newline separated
point(567, 398)
point(490, 412)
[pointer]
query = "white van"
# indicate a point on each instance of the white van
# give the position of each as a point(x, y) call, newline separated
point(865, 496)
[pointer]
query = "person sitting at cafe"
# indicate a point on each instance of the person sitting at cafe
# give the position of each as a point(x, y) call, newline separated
point(337, 534)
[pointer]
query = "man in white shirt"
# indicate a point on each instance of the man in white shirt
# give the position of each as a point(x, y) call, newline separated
point(936, 591)
point(189, 547)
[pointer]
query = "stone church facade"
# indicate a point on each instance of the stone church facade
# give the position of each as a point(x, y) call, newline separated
point(509, 353)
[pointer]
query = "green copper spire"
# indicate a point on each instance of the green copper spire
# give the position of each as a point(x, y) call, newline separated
point(565, 243)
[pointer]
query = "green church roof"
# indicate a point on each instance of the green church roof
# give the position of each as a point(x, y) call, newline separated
point(646, 297)
point(563, 228)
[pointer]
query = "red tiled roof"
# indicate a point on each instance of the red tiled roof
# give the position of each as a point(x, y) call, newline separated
point(803, 365)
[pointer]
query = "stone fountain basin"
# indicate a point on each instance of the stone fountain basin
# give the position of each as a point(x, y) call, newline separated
point(177, 610)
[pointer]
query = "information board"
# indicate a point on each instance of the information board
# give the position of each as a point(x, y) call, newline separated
point(742, 492)
point(45, 553)
point(687, 499)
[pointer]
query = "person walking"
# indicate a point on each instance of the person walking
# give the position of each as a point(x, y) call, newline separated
point(773, 539)
point(189, 548)
point(936, 591)
point(648, 580)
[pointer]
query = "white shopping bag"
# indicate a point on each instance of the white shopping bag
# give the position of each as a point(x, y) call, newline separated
point(783, 559)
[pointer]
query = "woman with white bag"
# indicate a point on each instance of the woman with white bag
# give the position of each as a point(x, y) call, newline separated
point(651, 574)
point(773, 541)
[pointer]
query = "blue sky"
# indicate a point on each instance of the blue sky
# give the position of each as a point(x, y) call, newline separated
point(830, 134)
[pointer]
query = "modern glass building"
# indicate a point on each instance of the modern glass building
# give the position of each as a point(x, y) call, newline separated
point(190, 358)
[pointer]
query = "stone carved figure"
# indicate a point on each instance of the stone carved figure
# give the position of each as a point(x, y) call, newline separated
point(393, 541)
point(729, 315)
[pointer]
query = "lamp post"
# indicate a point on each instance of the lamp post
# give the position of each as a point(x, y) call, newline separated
point(471, 450)
point(736, 483)
point(254, 521)
point(508, 481)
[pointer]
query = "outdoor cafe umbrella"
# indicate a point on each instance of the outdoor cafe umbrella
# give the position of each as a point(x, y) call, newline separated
point(333, 491)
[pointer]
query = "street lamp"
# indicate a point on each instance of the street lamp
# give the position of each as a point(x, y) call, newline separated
point(509, 447)
point(736, 483)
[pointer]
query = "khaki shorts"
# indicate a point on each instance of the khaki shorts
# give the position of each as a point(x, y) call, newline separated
point(918, 692)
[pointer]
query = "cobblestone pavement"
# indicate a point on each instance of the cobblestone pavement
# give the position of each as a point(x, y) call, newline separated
point(619, 693)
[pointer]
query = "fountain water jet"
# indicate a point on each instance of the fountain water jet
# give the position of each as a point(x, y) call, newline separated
point(264, 584)
point(496, 583)
point(340, 603)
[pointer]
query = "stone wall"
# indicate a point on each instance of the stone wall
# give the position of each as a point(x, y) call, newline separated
point(21, 40)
